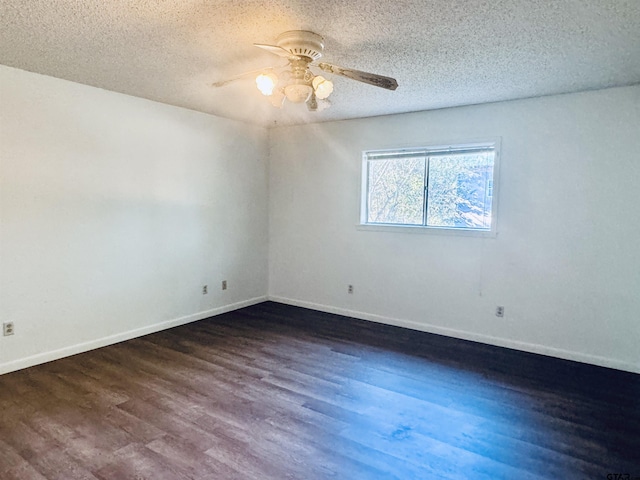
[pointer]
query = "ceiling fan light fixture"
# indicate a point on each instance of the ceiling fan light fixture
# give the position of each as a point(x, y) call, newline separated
point(266, 82)
point(298, 92)
point(322, 87)
point(297, 82)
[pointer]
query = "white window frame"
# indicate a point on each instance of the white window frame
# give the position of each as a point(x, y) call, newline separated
point(493, 144)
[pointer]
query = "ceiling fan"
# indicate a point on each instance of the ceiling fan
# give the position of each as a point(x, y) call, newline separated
point(296, 81)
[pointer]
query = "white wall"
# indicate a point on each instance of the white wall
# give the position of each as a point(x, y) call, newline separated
point(565, 263)
point(115, 211)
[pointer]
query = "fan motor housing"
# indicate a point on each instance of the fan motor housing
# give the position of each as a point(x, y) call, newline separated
point(302, 43)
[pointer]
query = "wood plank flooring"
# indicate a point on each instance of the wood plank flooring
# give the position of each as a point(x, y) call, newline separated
point(280, 392)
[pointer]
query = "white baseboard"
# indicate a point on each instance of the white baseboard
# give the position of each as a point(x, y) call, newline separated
point(476, 337)
point(120, 337)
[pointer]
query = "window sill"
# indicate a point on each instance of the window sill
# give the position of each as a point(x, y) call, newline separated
point(411, 229)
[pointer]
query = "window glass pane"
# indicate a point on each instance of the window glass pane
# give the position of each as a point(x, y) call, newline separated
point(460, 190)
point(395, 191)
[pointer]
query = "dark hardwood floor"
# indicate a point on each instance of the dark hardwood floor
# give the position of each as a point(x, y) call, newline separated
point(279, 392)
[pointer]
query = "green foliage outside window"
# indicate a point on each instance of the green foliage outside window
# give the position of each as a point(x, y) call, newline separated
point(441, 189)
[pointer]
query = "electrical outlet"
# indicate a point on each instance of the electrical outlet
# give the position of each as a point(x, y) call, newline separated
point(350, 289)
point(499, 311)
point(224, 284)
point(205, 289)
point(8, 329)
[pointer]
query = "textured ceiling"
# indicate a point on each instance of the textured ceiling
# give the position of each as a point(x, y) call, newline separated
point(442, 52)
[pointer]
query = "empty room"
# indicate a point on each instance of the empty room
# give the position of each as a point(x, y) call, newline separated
point(301, 240)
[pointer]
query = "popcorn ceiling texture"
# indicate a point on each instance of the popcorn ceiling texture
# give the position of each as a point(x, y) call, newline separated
point(443, 53)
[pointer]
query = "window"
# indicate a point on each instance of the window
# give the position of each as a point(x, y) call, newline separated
point(440, 187)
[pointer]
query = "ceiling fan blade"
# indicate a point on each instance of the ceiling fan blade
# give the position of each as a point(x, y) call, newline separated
point(370, 78)
point(277, 51)
point(240, 76)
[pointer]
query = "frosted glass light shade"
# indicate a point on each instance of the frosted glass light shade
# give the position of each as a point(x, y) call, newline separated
point(322, 87)
point(298, 92)
point(266, 83)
